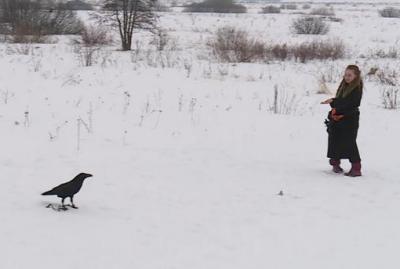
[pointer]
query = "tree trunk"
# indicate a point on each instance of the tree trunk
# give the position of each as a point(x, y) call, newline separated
point(126, 42)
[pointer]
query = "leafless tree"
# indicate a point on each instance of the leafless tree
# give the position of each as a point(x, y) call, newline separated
point(128, 16)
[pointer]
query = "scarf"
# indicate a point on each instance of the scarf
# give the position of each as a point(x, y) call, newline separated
point(346, 88)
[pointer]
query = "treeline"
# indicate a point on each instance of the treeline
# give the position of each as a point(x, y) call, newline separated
point(34, 20)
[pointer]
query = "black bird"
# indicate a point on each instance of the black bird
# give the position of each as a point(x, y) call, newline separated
point(68, 189)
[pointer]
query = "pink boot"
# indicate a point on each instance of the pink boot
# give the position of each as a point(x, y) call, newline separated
point(355, 170)
point(336, 166)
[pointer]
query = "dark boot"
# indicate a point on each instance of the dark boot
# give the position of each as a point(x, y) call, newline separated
point(355, 170)
point(336, 166)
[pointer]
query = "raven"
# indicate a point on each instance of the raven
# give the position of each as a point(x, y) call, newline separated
point(68, 189)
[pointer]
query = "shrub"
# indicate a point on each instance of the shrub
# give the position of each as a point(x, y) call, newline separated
point(323, 11)
point(162, 40)
point(390, 97)
point(94, 36)
point(306, 6)
point(310, 26)
point(217, 6)
point(323, 88)
point(335, 19)
point(233, 45)
point(280, 52)
point(392, 53)
point(389, 78)
point(270, 9)
point(284, 102)
point(390, 12)
point(90, 41)
point(289, 6)
point(319, 50)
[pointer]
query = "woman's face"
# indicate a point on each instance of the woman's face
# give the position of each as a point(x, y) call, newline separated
point(349, 75)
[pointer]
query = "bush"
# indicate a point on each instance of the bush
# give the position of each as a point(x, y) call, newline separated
point(233, 45)
point(389, 78)
point(306, 6)
point(94, 36)
point(310, 26)
point(217, 6)
point(270, 9)
point(323, 11)
point(280, 52)
point(303, 52)
point(162, 40)
point(334, 19)
point(289, 6)
point(392, 53)
point(319, 50)
point(390, 12)
point(90, 41)
point(284, 102)
point(391, 98)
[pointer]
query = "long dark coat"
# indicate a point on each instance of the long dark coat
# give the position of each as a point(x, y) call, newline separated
point(343, 133)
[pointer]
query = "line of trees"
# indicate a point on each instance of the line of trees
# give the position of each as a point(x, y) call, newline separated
point(36, 19)
point(217, 6)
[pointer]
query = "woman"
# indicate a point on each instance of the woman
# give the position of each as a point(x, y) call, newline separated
point(344, 121)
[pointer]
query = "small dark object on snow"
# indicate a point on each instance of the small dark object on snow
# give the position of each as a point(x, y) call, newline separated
point(280, 193)
point(68, 189)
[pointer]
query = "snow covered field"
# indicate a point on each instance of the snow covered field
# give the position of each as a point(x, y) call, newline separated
point(188, 159)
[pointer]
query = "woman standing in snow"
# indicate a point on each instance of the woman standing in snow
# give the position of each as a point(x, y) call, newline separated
point(344, 121)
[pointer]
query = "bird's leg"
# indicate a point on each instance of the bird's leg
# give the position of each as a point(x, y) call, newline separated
point(72, 202)
point(62, 203)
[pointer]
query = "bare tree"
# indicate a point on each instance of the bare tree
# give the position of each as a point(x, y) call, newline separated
point(128, 16)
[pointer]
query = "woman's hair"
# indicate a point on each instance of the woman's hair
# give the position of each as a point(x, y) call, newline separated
point(357, 72)
point(355, 69)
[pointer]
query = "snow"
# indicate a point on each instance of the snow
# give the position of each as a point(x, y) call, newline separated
point(188, 161)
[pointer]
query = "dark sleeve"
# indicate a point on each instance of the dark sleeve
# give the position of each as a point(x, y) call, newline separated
point(349, 104)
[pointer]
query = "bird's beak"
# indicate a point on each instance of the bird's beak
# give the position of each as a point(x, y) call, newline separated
point(89, 175)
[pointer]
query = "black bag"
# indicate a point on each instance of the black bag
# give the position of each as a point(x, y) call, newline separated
point(328, 123)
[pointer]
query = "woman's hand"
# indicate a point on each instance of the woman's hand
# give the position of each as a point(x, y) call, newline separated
point(327, 101)
point(337, 117)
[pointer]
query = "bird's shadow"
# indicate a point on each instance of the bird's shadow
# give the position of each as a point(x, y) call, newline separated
point(58, 207)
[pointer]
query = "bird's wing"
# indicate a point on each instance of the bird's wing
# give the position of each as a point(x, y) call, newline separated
point(56, 190)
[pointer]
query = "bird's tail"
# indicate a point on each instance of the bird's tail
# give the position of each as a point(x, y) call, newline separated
point(48, 193)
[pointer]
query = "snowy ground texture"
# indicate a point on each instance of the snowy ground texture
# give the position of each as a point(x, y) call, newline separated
point(188, 159)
